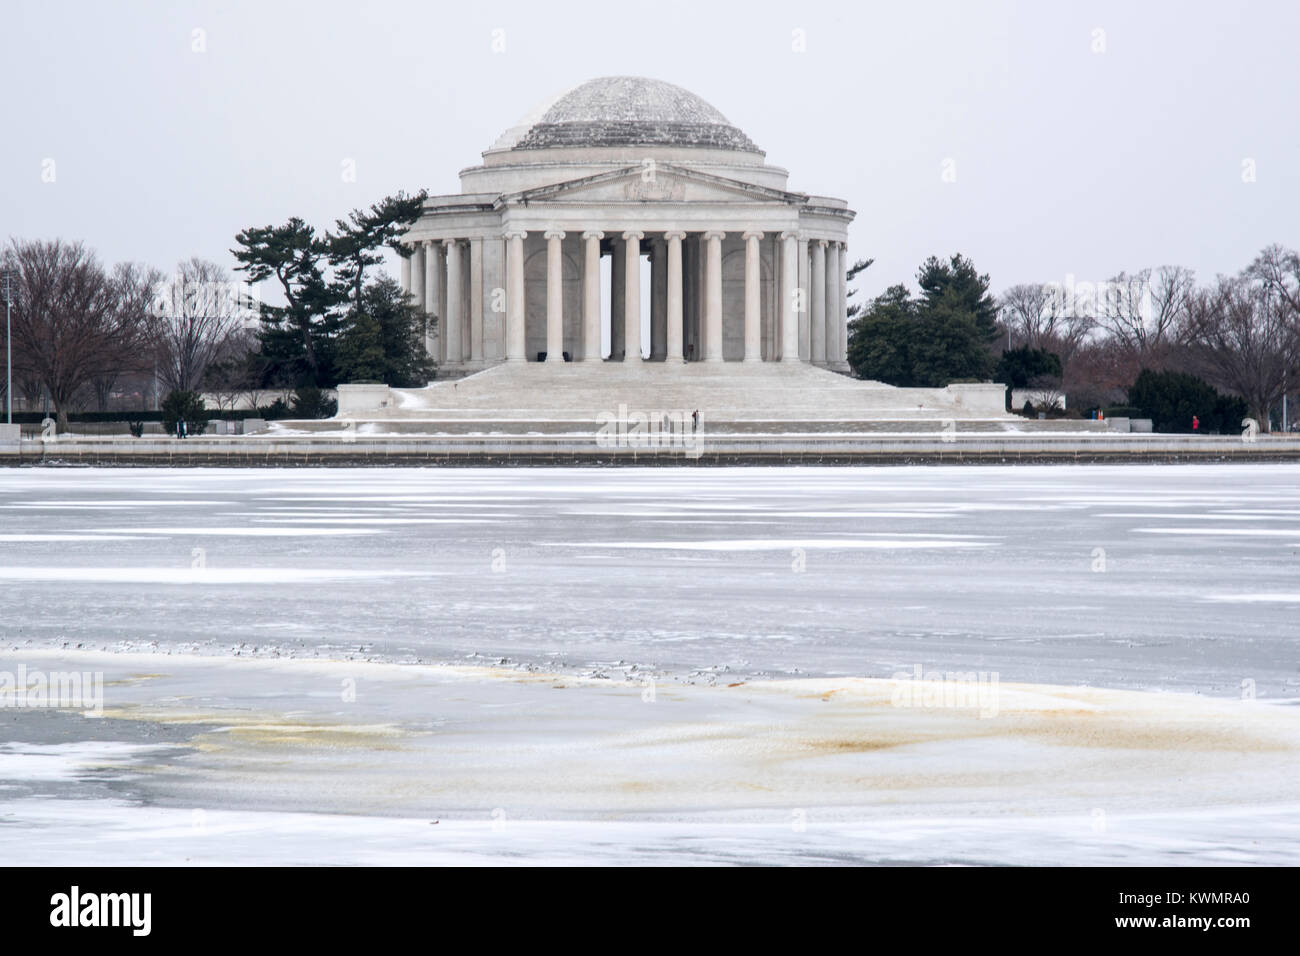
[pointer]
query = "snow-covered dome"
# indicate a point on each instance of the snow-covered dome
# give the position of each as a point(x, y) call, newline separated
point(624, 111)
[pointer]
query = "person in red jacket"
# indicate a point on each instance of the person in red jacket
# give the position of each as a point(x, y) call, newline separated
point(1196, 424)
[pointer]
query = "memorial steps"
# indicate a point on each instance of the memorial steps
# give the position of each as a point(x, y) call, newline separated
point(744, 394)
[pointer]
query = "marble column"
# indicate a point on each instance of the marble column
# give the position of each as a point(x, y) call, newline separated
point(658, 293)
point(554, 296)
point(805, 297)
point(476, 299)
point(430, 278)
point(674, 297)
point(700, 287)
point(440, 253)
point(591, 347)
point(632, 296)
point(753, 298)
point(515, 341)
point(842, 311)
point(616, 270)
point(417, 275)
point(406, 272)
point(430, 298)
point(818, 323)
point(832, 303)
point(713, 297)
point(789, 293)
point(455, 305)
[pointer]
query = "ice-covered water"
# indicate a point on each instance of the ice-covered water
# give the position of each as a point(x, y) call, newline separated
point(1171, 577)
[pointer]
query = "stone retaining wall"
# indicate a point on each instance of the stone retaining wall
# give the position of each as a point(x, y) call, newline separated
point(586, 450)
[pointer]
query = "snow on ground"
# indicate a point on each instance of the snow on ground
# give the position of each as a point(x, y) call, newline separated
point(685, 664)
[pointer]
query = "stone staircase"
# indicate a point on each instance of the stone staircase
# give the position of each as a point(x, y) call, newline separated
point(757, 394)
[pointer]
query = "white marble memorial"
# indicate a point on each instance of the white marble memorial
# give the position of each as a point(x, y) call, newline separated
point(629, 168)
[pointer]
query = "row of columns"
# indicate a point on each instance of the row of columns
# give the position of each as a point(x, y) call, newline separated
point(827, 343)
point(422, 275)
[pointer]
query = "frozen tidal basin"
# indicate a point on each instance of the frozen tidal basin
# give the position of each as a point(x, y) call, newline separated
point(228, 609)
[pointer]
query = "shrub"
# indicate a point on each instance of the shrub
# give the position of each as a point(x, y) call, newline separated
point(184, 405)
point(916, 343)
point(1170, 399)
point(277, 409)
point(137, 429)
point(1022, 367)
point(310, 402)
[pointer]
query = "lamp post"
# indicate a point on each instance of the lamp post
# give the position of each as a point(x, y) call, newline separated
point(9, 347)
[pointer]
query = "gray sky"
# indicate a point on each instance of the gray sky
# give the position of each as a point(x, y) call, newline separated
point(1066, 160)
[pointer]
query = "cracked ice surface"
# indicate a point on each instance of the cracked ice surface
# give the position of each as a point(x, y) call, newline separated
point(258, 633)
point(1171, 577)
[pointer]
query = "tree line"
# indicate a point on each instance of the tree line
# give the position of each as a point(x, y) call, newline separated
point(1238, 334)
point(80, 329)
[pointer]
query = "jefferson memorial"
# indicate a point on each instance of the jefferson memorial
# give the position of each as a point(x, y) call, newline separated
point(625, 245)
point(740, 268)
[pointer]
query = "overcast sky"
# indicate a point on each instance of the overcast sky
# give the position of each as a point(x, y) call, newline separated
point(1084, 138)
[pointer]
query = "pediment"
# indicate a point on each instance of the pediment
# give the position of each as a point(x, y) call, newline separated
point(660, 183)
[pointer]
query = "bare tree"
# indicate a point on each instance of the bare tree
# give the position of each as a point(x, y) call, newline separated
point(195, 315)
point(1146, 313)
point(1042, 318)
point(67, 326)
point(1027, 310)
point(1278, 269)
point(234, 374)
point(134, 288)
point(1245, 336)
point(29, 388)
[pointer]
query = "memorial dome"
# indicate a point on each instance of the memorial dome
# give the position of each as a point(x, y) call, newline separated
point(625, 111)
